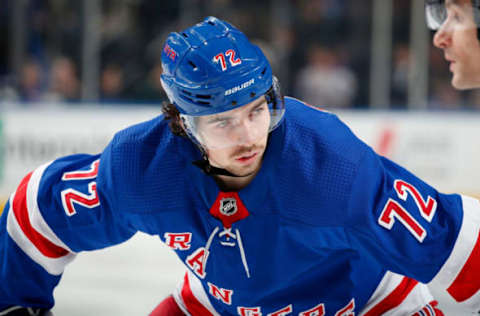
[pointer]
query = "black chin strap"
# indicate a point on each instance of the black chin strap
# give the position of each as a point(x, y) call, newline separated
point(210, 170)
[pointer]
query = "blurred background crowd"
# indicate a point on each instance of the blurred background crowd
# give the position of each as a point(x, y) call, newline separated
point(108, 51)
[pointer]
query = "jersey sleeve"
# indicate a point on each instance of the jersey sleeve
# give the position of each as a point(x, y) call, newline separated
point(58, 210)
point(414, 230)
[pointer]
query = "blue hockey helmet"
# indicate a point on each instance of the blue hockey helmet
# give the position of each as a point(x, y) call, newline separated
point(212, 68)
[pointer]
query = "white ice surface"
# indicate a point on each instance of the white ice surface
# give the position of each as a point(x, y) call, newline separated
point(125, 280)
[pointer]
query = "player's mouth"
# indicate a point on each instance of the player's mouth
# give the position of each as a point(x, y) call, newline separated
point(452, 64)
point(451, 61)
point(247, 158)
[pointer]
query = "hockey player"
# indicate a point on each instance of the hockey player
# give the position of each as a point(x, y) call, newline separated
point(282, 212)
point(456, 24)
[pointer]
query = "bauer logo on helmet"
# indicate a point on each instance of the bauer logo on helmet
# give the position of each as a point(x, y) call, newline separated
point(240, 87)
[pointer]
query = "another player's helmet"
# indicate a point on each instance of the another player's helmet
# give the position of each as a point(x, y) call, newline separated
point(436, 12)
point(212, 68)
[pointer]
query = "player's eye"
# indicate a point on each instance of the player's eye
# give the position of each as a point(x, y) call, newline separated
point(258, 110)
point(457, 17)
point(454, 15)
point(222, 124)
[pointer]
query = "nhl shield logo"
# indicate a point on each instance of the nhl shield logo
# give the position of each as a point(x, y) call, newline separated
point(228, 206)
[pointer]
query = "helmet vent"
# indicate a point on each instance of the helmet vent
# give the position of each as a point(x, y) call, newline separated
point(184, 34)
point(211, 23)
point(186, 98)
point(195, 68)
point(263, 71)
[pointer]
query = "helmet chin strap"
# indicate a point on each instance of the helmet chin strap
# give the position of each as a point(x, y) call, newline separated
point(207, 168)
point(205, 165)
point(210, 170)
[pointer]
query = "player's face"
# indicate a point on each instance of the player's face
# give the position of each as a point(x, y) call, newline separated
point(236, 140)
point(457, 37)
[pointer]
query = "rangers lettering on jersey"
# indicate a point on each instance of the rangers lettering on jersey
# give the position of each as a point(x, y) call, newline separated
point(348, 310)
point(249, 311)
point(318, 310)
point(223, 295)
point(180, 241)
point(196, 261)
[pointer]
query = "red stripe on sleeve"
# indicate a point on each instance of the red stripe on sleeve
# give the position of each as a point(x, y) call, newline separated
point(45, 246)
point(167, 307)
point(194, 307)
point(467, 282)
point(394, 299)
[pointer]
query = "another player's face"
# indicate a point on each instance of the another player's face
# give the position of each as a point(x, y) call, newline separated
point(458, 39)
point(236, 140)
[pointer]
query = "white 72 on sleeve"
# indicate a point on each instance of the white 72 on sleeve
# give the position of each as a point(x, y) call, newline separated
point(393, 210)
point(71, 196)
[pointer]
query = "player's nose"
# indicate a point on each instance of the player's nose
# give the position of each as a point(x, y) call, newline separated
point(247, 133)
point(443, 37)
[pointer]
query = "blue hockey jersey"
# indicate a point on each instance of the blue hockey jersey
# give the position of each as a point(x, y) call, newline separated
point(327, 227)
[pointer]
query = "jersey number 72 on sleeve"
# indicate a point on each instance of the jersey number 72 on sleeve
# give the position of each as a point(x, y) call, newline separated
point(71, 196)
point(393, 210)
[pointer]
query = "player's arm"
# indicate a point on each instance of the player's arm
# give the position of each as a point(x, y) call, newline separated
point(58, 210)
point(415, 230)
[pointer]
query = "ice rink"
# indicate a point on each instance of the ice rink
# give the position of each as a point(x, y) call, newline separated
point(126, 280)
point(130, 279)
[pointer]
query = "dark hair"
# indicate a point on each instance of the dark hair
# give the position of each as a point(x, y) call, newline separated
point(172, 114)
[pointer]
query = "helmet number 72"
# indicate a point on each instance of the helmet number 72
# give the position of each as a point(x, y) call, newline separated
point(220, 58)
point(393, 210)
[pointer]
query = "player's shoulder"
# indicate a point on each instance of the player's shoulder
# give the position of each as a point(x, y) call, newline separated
point(143, 133)
point(308, 126)
point(144, 162)
point(323, 156)
point(302, 108)
point(294, 101)
point(147, 140)
point(133, 147)
point(303, 117)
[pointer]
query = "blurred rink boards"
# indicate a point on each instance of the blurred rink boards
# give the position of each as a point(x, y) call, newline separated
point(443, 148)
